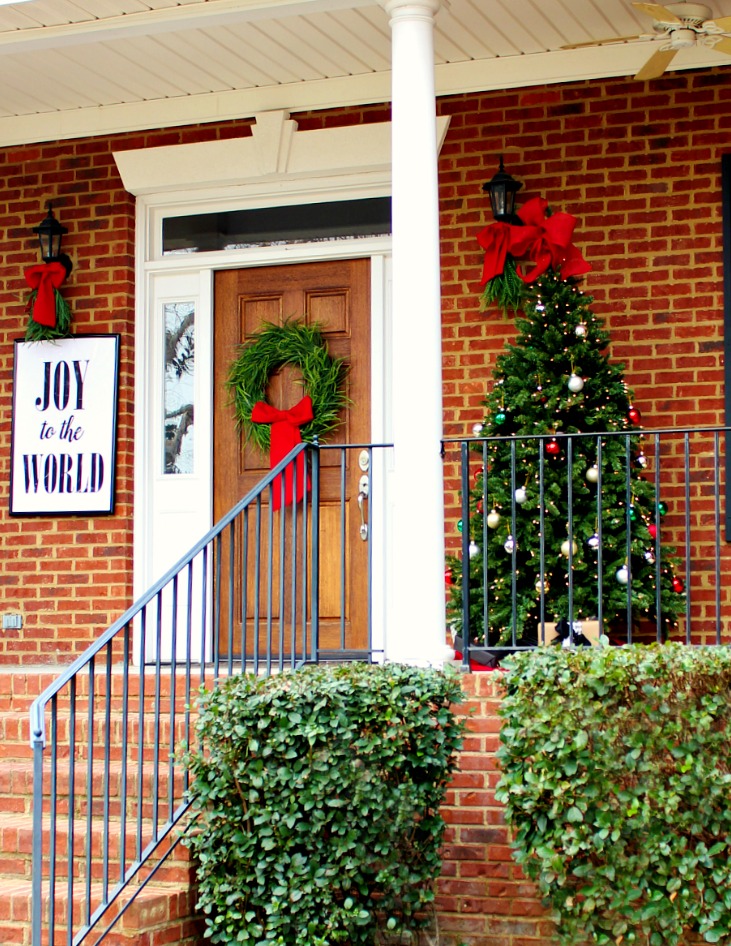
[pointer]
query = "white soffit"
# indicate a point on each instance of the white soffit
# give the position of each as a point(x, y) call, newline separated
point(276, 150)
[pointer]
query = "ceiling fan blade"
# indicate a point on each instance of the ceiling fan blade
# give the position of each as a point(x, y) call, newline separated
point(658, 12)
point(600, 42)
point(723, 46)
point(656, 64)
point(723, 23)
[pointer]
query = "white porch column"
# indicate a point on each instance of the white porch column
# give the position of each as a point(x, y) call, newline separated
point(415, 623)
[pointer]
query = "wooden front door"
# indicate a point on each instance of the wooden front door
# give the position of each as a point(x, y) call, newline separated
point(336, 296)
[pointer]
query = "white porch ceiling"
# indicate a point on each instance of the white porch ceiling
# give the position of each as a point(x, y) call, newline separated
point(72, 68)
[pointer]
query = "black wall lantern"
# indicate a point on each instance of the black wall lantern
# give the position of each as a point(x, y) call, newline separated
point(50, 233)
point(502, 190)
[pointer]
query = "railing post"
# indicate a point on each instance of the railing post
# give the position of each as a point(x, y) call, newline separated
point(315, 566)
point(465, 461)
point(37, 744)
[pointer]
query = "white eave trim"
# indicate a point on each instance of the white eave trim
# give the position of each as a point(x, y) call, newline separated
point(451, 79)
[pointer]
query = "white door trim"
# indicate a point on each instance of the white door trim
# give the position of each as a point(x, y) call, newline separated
point(173, 511)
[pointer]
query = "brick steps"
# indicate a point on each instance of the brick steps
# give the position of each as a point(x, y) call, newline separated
point(162, 913)
point(159, 914)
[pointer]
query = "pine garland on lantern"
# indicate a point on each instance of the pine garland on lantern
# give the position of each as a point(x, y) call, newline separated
point(554, 380)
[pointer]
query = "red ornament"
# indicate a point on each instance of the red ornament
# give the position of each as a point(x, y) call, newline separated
point(478, 473)
point(480, 507)
point(678, 585)
point(448, 577)
point(552, 448)
point(652, 529)
point(634, 415)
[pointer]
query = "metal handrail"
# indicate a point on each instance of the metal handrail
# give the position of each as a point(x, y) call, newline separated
point(686, 464)
point(245, 583)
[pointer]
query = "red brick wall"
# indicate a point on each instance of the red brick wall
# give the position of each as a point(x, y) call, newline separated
point(642, 173)
point(70, 577)
point(640, 169)
point(483, 899)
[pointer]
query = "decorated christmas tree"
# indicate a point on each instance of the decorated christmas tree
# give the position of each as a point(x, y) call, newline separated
point(564, 518)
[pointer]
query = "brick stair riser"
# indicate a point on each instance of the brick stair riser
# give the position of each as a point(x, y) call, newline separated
point(156, 910)
point(21, 688)
point(103, 846)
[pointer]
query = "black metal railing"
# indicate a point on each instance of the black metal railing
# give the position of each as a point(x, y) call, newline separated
point(266, 590)
point(622, 531)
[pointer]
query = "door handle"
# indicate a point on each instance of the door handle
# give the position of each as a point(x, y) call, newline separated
point(363, 489)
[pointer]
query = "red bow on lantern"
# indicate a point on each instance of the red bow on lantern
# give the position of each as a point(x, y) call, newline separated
point(285, 437)
point(46, 279)
point(546, 240)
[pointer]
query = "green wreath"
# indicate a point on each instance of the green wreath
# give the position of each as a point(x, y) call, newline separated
point(293, 343)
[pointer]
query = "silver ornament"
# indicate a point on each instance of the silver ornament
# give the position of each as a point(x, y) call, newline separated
point(520, 495)
point(477, 429)
point(474, 549)
point(510, 545)
point(580, 329)
point(593, 541)
point(622, 575)
point(576, 383)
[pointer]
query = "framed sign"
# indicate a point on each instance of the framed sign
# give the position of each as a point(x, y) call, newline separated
point(64, 426)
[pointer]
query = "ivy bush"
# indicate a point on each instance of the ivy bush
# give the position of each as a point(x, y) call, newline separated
point(318, 795)
point(615, 776)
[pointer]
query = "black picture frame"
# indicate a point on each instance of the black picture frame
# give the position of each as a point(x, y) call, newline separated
point(64, 426)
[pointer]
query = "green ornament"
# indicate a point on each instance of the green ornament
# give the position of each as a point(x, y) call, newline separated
point(459, 526)
point(662, 508)
point(501, 417)
point(632, 513)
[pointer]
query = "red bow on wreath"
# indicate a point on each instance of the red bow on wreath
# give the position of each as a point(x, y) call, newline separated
point(46, 279)
point(546, 240)
point(285, 437)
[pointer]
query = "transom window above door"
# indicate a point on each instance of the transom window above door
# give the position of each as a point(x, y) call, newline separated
point(267, 226)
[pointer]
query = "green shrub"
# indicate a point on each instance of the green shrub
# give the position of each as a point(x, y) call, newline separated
point(615, 776)
point(319, 795)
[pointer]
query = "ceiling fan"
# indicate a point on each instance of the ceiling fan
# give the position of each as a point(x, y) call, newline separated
point(675, 26)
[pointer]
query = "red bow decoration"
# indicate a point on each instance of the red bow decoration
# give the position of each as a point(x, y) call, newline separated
point(285, 437)
point(546, 240)
point(46, 279)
